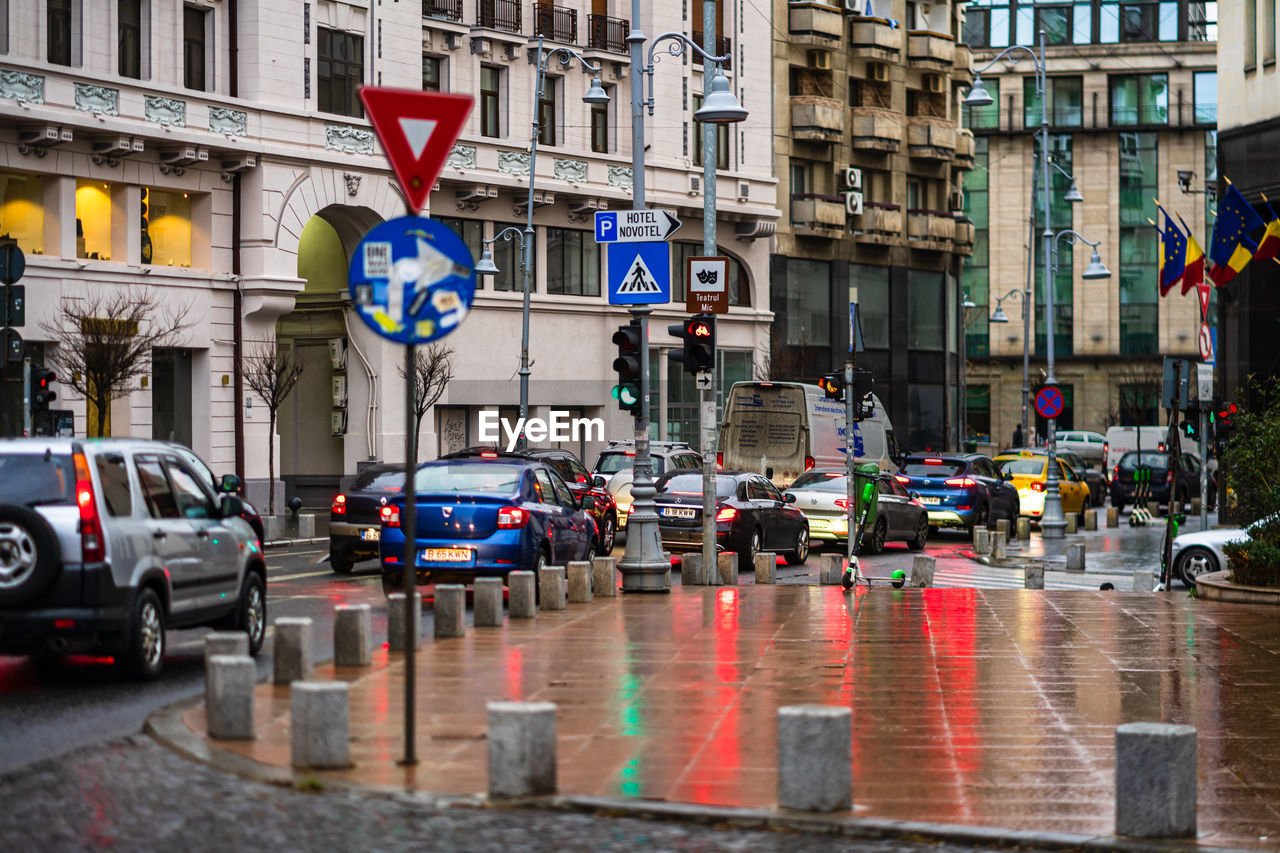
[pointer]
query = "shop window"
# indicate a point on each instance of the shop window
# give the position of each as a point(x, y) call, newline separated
point(924, 310)
point(869, 287)
point(93, 220)
point(165, 222)
point(573, 262)
point(22, 210)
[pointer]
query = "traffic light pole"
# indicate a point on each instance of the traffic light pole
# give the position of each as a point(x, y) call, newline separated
point(851, 510)
point(26, 398)
point(1204, 465)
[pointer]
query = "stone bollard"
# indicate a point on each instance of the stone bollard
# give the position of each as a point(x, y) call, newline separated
point(522, 596)
point(1033, 577)
point(1155, 780)
point(522, 749)
point(396, 632)
point(1090, 519)
point(1195, 506)
point(1075, 557)
point(691, 569)
point(551, 588)
point(292, 661)
point(982, 542)
point(727, 565)
point(999, 544)
point(1073, 522)
point(1153, 507)
point(814, 770)
point(1024, 529)
point(488, 603)
point(223, 643)
point(352, 635)
point(1113, 517)
point(451, 610)
point(319, 724)
point(1002, 526)
point(228, 695)
point(831, 569)
point(579, 573)
point(604, 577)
point(766, 567)
point(1144, 580)
point(922, 571)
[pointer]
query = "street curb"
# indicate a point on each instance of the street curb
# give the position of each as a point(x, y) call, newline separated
point(165, 727)
point(285, 543)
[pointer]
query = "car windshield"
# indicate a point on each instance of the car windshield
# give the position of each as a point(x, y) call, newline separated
point(468, 477)
point(810, 479)
point(37, 478)
point(932, 468)
point(1032, 465)
point(691, 484)
point(612, 463)
point(838, 483)
point(1150, 458)
point(379, 481)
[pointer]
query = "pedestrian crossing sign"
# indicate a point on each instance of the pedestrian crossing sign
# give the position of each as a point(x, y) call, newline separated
point(639, 273)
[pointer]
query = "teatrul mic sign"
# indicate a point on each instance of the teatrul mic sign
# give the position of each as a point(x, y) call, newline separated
point(707, 285)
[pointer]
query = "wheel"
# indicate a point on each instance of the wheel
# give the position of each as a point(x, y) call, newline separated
point(541, 562)
point(1194, 562)
point(922, 535)
point(251, 612)
point(608, 532)
point(801, 552)
point(143, 656)
point(29, 555)
point(1180, 497)
point(593, 550)
point(753, 548)
point(341, 560)
point(874, 543)
point(980, 517)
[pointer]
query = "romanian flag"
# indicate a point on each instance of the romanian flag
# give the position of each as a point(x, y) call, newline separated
point(1193, 266)
point(1231, 249)
point(1173, 255)
point(1269, 246)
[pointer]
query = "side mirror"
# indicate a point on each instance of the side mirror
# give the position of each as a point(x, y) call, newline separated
point(789, 497)
point(915, 496)
point(229, 483)
point(230, 506)
point(599, 482)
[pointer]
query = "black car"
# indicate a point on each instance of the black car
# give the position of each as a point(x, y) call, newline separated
point(751, 516)
point(960, 489)
point(354, 521)
point(1162, 479)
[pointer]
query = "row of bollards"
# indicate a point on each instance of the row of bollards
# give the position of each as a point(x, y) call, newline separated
point(725, 573)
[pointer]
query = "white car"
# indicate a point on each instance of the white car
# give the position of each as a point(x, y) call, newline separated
point(1195, 554)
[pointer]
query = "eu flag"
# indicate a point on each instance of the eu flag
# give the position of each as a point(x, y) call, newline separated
point(1231, 249)
point(1173, 255)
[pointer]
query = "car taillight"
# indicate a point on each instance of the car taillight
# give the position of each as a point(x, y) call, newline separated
point(842, 503)
point(901, 479)
point(1168, 477)
point(963, 482)
point(390, 516)
point(726, 513)
point(1037, 487)
point(488, 454)
point(720, 461)
point(1115, 475)
point(339, 506)
point(809, 462)
point(512, 516)
point(91, 545)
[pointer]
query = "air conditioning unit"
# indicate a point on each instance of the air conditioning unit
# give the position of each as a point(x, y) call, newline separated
point(820, 59)
point(853, 203)
point(338, 422)
point(851, 178)
point(695, 184)
point(340, 392)
point(934, 83)
point(855, 6)
point(878, 71)
point(744, 190)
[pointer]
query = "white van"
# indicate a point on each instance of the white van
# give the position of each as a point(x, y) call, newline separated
point(1122, 439)
point(790, 427)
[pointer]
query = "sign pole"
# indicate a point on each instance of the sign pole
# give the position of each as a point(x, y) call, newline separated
point(409, 524)
point(707, 395)
point(1204, 464)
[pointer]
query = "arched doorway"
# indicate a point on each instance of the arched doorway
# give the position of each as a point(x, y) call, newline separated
point(311, 444)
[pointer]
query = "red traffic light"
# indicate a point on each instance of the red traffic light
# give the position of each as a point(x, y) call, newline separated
point(699, 329)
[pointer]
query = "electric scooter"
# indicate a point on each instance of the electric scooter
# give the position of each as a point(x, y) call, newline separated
point(851, 572)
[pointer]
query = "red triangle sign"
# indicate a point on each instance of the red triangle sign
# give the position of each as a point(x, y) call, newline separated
point(1202, 290)
point(417, 131)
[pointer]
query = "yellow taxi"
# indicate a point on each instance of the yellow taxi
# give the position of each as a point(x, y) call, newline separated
point(1028, 471)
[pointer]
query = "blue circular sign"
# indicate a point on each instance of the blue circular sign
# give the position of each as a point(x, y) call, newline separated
point(412, 280)
point(1049, 402)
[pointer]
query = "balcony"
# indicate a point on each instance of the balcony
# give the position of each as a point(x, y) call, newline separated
point(818, 24)
point(875, 38)
point(930, 230)
point(724, 47)
point(931, 138)
point(556, 23)
point(814, 215)
point(964, 148)
point(934, 51)
point(605, 33)
point(876, 129)
point(962, 72)
point(445, 10)
point(817, 119)
point(502, 15)
point(879, 223)
point(963, 243)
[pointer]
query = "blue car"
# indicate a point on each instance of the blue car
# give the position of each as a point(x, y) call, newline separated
point(485, 516)
point(960, 490)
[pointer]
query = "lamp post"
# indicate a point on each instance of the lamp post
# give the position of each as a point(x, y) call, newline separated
point(643, 567)
point(595, 95)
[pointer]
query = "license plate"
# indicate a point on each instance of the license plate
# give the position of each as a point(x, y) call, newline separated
point(819, 524)
point(930, 501)
point(447, 555)
point(371, 534)
point(678, 512)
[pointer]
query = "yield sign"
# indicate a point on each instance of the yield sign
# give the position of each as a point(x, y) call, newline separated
point(417, 131)
point(1202, 291)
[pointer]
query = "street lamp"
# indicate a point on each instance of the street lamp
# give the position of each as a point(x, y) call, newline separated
point(595, 95)
point(485, 266)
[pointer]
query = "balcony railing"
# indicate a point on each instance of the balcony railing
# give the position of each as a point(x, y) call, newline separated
point(605, 33)
point(724, 47)
point(876, 38)
point(964, 148)
point(876, 129)
point(931, 138)
point(816, 118)
point(813, 211)
point(815, 23)
point(499, 15)
point(931, 50)
point(449, 10)
point(930, 226)
point(556, 23)
point(879, 223)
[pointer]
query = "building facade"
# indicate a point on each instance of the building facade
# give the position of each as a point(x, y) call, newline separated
point(1132, 97)
point(238, 125)
point(869, 161)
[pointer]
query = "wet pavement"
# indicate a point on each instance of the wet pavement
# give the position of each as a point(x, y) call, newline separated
point(973, 707)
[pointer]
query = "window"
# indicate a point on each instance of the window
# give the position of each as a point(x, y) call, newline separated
point(59, 31)
point(165, 221)
point(722, 138)
point(925, 416)
point(1202, 20)
point(433, 74)
point(193, 500)
point(129, 38)
point(978, 413)
point(805, 304)
point(472, 233)
point(974, 275)
point(1250, 33)
point(1139, 244)
point(871, 284)
point(682, 403)
point(1066, 101)
point(924, 312)
point(113, 474)
point(986, 24)
point(988, 117)
point(490, 92)
point(340, 71)
point(1060, 217)
point(573, 262)
point(506, 256)
point(1140, 99)
point(1143, 21)
point(547, 112)
point(1268, 32)
point(93, 219)
point(1206, 97)
point(739, 283)
point(22, 210)
point(1054, 20)
point(600, 124)
point(155, 488)
point(194, 27)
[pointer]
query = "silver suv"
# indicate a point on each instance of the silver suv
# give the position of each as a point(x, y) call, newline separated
point(106, 543)
point(615, 465)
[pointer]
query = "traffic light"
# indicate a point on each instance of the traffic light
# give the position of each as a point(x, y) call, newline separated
point(699, 336)
point(1226, 413)
point(832, 385)
point(41, 394)
point(863, 385)
point(627, 366)
point(1189, 429)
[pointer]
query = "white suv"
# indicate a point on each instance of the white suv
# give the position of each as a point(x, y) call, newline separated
point(615, 466)
point(106, 543)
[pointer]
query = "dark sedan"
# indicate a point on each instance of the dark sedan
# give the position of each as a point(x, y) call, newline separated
point(1162, 479)
point(354, 523)
point(751, 516)
point(960, 490)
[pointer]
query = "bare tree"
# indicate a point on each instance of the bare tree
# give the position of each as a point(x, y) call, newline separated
point(1137, 393)
point(106, 339)
point(271, 374)
point(432, 372)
